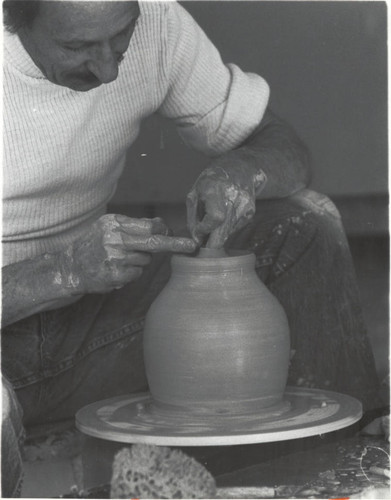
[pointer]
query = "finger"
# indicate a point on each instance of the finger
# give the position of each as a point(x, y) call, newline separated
point(142, 225)
point(218, 212)
point(216, 204)
point(121, 254)
point(160, 243)
point(206, 226)
point(239, 213)
point(220, 235)
point(160, 227)
point(121, 276)
point(215, 214)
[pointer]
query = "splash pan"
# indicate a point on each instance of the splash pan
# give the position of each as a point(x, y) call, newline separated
point(137, 419)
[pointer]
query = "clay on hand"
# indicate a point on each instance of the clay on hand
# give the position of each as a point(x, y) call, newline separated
point(115, 250)
point(221, 201)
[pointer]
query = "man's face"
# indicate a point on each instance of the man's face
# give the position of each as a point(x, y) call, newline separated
point(79, 44)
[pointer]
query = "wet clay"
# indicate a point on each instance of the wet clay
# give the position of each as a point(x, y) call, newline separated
point(216, 338)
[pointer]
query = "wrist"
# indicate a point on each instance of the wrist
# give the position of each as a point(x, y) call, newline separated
point(68, 275)
point(241, 163)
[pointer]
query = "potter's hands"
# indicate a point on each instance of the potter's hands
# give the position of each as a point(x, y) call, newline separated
point(116, 248)
point(222, 199)
point(111, 253)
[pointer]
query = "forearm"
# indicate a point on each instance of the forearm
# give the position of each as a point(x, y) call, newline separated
point(37, 285)
point(275, 150)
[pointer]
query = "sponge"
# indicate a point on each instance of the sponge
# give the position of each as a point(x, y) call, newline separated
point(148, 471)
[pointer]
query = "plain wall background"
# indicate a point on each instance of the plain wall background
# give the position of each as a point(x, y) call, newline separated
point(326, 64)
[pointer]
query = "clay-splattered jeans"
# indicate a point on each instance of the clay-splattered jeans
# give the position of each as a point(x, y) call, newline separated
point(61, 360)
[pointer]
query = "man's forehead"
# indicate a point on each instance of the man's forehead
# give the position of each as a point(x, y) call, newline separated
point(86, 18)
point(88, 6)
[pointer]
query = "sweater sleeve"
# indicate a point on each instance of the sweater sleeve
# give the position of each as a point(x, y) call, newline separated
point(215, 106)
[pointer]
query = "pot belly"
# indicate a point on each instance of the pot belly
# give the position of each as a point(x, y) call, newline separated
point(200, 351)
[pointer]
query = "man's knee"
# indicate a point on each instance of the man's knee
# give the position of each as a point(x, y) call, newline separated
point(305, 227)
point(306, 216)
point(316, 203)
point(306, 204)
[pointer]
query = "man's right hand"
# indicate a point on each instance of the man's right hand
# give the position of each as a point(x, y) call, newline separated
point(115, 250)
point(110, 254)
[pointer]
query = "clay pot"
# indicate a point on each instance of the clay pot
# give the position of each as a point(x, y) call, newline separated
point(216, 339)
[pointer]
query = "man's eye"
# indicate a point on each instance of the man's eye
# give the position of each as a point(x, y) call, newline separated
point(75, 49)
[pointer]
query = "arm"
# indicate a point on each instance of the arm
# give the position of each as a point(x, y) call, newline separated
point(271, 163)
point(36, 285)
point(275, 149)
point(112, 253)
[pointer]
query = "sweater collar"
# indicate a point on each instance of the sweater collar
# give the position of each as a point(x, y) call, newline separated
point(19, 57)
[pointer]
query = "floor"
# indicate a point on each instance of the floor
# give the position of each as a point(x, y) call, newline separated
point(371, 257)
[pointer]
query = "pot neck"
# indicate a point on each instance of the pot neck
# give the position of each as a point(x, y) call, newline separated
point(211, 253)
point(201, 264)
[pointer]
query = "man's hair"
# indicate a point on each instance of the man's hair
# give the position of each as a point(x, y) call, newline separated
point(19, 13)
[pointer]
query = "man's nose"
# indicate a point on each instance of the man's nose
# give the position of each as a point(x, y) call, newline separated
point(104, 63)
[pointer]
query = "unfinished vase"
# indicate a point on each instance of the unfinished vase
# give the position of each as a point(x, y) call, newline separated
point(216, 340)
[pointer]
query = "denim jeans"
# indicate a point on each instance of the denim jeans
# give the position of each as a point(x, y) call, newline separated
point(58, 361)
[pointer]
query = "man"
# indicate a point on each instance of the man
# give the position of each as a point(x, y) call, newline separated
point(79, 79)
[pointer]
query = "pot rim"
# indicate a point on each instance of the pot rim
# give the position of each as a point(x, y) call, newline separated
point(235, 260)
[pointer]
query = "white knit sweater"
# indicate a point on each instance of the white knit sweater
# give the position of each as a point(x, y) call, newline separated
point(65, 150)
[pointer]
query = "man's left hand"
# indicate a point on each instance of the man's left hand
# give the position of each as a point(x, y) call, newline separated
point(222, 199)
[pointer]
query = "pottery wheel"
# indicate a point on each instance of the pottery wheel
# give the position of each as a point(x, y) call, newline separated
point(136, 419)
